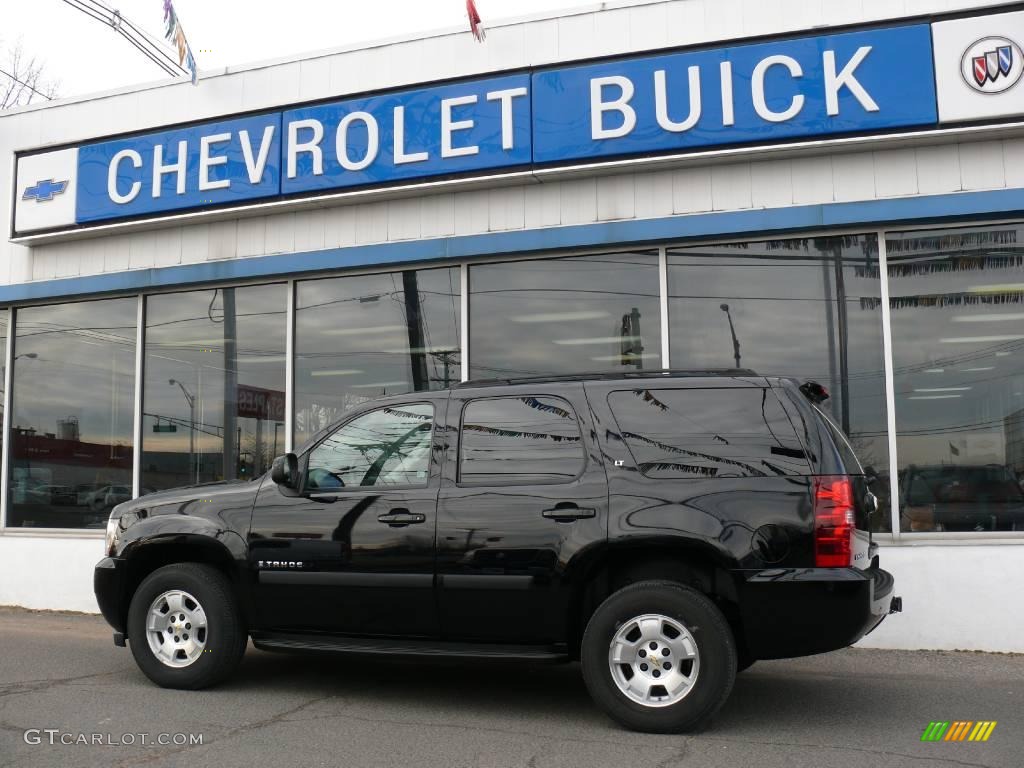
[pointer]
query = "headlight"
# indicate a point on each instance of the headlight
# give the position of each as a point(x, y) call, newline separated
point(110, 541)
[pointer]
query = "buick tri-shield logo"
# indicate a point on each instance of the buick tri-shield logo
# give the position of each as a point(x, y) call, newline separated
point(992, 65)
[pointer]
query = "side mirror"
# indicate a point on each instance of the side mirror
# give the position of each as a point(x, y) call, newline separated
point(285, 471)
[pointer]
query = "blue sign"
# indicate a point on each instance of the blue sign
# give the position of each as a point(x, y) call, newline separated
point(763, 92)
point(230, 161)
point(814, 86)
point(449, 129)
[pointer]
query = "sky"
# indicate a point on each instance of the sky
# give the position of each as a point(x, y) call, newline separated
point(85, 56)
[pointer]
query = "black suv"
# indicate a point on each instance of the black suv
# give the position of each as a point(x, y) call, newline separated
point(666, 529)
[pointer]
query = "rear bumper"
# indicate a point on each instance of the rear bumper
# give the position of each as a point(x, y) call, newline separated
point(802, 611)
point(108, 581)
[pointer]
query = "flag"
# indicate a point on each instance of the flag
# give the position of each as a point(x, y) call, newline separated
point(174, 33)
point(476, 26)
point(954, 450)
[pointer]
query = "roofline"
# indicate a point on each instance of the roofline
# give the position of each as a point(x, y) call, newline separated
point(610, 376)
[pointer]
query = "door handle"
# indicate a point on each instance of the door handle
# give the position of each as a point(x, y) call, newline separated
point(567, 512)
point(399, 518)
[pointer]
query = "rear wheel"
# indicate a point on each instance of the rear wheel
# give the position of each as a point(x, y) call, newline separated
point(659, 657)
point(184, 627)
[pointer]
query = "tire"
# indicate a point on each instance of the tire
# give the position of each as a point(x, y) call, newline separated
point(669, 607)
point(218, 639)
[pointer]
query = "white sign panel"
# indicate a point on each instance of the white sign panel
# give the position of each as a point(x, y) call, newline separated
point(45, 191)
point(978, 66)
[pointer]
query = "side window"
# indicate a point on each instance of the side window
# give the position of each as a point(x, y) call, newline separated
point(519, 441)
point(690, 433)
point(389, 446)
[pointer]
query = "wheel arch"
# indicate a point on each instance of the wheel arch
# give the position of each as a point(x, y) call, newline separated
point(146, 556)
point(616, 566)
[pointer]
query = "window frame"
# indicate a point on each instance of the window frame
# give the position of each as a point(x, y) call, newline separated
point(308, 454)
point(462, 422)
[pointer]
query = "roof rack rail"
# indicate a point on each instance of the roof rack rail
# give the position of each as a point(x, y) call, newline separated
point(606, 376)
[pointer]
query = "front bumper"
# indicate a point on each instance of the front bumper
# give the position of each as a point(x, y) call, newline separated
point(790, 612)
point(108, 582)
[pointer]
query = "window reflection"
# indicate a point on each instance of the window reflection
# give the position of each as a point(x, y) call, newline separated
point(591, 313)
point(214, 395)
point(957, 299)
point(809, 308)
point(362, 337)
point(387, 447)
point(73, 403)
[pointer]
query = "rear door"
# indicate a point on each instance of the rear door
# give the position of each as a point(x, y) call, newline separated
point(524, 493)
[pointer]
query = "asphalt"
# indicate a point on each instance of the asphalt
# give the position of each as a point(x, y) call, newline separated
point(852, 708)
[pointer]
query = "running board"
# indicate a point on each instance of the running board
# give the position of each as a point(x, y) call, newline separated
point(281, 642)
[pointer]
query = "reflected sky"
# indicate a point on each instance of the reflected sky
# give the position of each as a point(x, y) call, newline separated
point(361, 337)
point(189, 339)
point(77, 361)
point(73, 412)
point(783, 298)
point(589, 313)
point(957, 301)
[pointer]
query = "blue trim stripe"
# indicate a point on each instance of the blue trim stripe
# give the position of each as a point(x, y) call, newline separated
point(642, 231)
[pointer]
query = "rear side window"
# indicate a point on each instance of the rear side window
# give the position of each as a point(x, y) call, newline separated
point(693, 433)
point(519, 441)
point(850, 461)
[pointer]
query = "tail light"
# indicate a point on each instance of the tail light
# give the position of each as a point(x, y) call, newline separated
point(833, 522)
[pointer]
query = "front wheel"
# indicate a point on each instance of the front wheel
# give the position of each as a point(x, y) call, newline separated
point(184, 627)
point(659, 657)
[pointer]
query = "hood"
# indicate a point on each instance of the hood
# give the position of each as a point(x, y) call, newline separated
point(184, 495)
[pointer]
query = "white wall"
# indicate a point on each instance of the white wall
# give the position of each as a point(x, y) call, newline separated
point(49, 572)
point(961, 597)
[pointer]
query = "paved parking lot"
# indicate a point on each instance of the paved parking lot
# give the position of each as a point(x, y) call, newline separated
point(854, 708)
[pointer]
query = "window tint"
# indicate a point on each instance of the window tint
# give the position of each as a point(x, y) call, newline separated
point(519, 440)
point(389, 446)
point(732, 432)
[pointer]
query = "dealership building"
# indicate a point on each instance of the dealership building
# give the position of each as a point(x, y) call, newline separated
point(195, 279)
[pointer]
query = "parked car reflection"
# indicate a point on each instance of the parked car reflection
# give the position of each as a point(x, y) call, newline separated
point(954, 497)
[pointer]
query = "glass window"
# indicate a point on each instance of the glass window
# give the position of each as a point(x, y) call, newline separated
point(72, 413)
point(592, 313)
point(519, 441)
point(362, 337)
point(957, 299)
point(214, 397)
point(809, 308)
point(386, 447)
point(728, 432)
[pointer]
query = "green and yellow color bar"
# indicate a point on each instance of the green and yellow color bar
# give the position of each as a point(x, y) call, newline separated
point(958, 730)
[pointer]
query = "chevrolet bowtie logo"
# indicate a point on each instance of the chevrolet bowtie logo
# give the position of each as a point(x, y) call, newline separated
point(44, 191)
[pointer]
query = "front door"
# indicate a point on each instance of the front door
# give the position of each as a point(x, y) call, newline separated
point(352, 550)
point(524, 494)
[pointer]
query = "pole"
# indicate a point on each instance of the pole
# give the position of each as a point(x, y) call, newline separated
point(414, 322)
point(193, 468)
point(732, 332)
point(231, 445)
